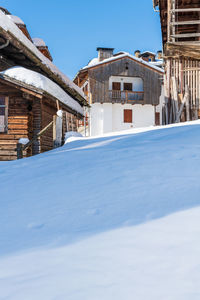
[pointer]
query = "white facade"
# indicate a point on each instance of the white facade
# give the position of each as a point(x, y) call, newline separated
point(108, 117)
point(137, 82)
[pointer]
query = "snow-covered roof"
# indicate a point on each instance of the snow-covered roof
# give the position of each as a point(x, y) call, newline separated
point(93, 62)
point(125, 54)
point(158, 62)
point(38, 42)
point(43, 83)
point(8, 25)
point(15, 19)
point(148, 52)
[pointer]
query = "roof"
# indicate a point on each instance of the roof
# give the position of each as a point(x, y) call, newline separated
point(38, 42)
point(44, 84)
point(16, 37)
point(15, 19)
point(121, 56)
point(148, 52)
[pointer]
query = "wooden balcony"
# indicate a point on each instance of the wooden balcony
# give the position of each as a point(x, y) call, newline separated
point(126, 96)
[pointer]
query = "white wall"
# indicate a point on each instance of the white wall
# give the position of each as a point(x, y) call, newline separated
point(137, 82)
point(109, 117)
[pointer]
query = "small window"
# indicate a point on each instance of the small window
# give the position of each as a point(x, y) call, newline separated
point(3, 114)
point(128, 116)
point(128, 86)
point(116, 86)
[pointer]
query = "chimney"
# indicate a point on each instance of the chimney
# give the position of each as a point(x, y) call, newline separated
point(104, 53)
point(137, 53)
point(159, 54)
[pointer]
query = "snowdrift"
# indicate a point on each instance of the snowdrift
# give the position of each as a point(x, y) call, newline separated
point(114, 217)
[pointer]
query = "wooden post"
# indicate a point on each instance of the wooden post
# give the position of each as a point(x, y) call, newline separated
point(19, 150)
point(187, 105)
point(175, 97)
point(54, 131)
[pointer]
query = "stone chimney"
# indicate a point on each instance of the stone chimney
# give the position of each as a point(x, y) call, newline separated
point(137, 53)
point(104, 53)
point(159, 54)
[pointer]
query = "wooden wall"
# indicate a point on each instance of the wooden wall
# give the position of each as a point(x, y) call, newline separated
point(27, 116)
point(48, 110)
point(19, 120)
point(99, 80)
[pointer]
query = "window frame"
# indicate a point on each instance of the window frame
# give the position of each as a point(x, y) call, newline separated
point(6, 101)
point(115, 83)
point(128, 83)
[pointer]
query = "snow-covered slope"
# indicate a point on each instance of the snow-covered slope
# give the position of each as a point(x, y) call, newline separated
point(115, 217)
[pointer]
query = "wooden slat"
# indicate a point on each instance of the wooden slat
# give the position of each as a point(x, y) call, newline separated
point(185, 10)
point(186, 35)
point(186, 22)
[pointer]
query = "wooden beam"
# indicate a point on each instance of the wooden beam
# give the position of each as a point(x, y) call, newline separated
point(186, 10)
point(185, 35)
point(193, 22)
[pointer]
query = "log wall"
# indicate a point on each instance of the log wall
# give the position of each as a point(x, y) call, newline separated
point(27, 116)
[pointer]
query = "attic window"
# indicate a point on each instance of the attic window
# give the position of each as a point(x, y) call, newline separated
point(3, 114)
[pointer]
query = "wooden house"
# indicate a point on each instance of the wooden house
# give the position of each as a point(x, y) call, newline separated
point(32, 90)
point(123, 91)
point(180, 23)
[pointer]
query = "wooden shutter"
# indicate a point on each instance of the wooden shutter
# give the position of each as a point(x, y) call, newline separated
point(116, 86)
point(128, 116)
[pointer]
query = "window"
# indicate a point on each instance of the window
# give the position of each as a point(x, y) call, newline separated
point(128, 86)
point(128, 116)
point(3, 113)
point(116, 86)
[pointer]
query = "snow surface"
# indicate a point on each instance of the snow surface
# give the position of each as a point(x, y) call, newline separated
point(96, 62)
point(45, 84)
point(113, 217)
point(8, 25)
point(38, 42)
point(72, 134)
point(23, 141)
point(15, 19)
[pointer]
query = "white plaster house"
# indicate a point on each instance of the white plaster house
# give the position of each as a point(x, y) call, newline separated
point(123, 91)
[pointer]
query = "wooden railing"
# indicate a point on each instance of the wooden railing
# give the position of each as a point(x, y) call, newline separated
point(126, 96)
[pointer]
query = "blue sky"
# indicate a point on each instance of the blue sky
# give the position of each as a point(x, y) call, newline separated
point(73, 29)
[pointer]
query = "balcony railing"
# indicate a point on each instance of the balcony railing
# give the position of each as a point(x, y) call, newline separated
point(126, 96)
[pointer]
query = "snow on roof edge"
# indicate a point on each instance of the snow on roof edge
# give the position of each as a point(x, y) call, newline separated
point(43, 83)
point(8, 25)
point(38, 42)
point(126, 54)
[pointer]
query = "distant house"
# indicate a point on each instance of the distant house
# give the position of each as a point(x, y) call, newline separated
point(123, 90)
point(32, 90)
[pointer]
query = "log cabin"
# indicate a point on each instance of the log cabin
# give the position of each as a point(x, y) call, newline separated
point(32, 90)
point(180, 24)
point(123, 91)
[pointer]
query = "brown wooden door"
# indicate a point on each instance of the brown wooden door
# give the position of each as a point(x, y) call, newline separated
point(157, 118)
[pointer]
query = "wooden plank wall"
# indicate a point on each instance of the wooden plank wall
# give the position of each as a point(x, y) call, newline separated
point(49, 109)
point(99, 80)
point(18, 123)
point(186, 72)
point(27, 115)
